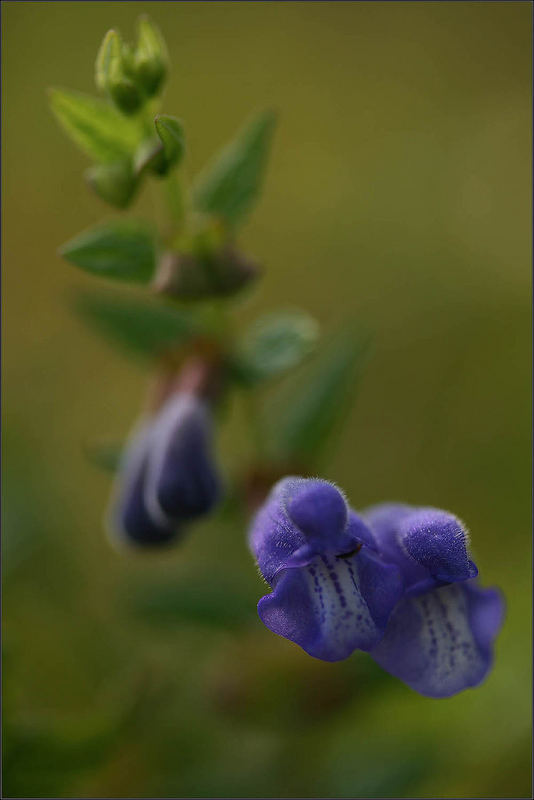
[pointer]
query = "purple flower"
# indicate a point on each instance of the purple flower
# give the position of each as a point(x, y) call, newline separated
point(397, 582)
point(167, 476)
point(331, 592)
point(439, 637)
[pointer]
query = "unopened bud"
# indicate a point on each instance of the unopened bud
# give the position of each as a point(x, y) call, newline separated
point(112, 74)
point(150, 57)
point(167, 475)
point(114, 182)
point(194, 276)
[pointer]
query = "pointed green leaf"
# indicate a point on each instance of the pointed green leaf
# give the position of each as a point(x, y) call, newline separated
point(141, 328)
point(229, 185)
point(274, 343)
point(305, 412)
point(96, 127)
point(121, 249)
point(171, 132)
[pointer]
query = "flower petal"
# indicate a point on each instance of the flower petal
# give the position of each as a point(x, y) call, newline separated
point(438, 541)
point(130, 520)
point(333, 605)
point(316, 507)
point(302, 518)
point(440, 643)
point(273, 538)
point(428, 545)
point(181, 480)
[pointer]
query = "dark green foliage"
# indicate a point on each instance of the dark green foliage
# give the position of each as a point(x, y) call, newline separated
point(229, 185)
point(121, 249)
point(301, 417)
point(141, 327)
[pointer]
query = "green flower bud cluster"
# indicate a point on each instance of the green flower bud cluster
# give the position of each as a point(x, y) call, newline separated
point(130, 141)
point(130, 76)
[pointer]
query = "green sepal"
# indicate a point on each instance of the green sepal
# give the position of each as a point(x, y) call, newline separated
point(150, 156)
point(163, 151)
point(171, 132)
point(230, 184)
point(121, 250)
point(141, 328)
point(275, 343)
point(95, 126)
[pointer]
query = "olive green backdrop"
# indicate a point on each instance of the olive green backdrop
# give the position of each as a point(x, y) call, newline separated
point(398, 195)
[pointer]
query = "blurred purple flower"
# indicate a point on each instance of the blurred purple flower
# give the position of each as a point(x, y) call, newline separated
point(397, 582)
point(167, 476)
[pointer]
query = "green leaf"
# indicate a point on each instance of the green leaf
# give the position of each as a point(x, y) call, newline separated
point(140, 328)
point(275, 343)
point(305, 412)
point(96, 127)
point(122, 249)
point(230, 184)
point(171, 132)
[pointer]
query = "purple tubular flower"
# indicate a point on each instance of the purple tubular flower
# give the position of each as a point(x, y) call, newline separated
point(397, 582)
point(331, 592)
point(439, 637)
point(167, 476)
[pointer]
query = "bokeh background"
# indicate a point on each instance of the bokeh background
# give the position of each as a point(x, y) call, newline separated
point(399, 196)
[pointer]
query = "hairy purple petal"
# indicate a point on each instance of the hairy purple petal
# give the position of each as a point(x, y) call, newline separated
point(440, 643)
point(334, 605)
point(331, 592)
point(291, 528)
point(428, 545)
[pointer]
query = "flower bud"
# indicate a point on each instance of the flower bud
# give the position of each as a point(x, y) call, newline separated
point(167, 474)
point(150, 57)
point(114, 182)
point(124, 94)
point(193, 276)
point(130, 521)
point(112, 76)
point(181, 480)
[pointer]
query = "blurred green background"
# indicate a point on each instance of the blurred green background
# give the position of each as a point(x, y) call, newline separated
point(399, 196)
